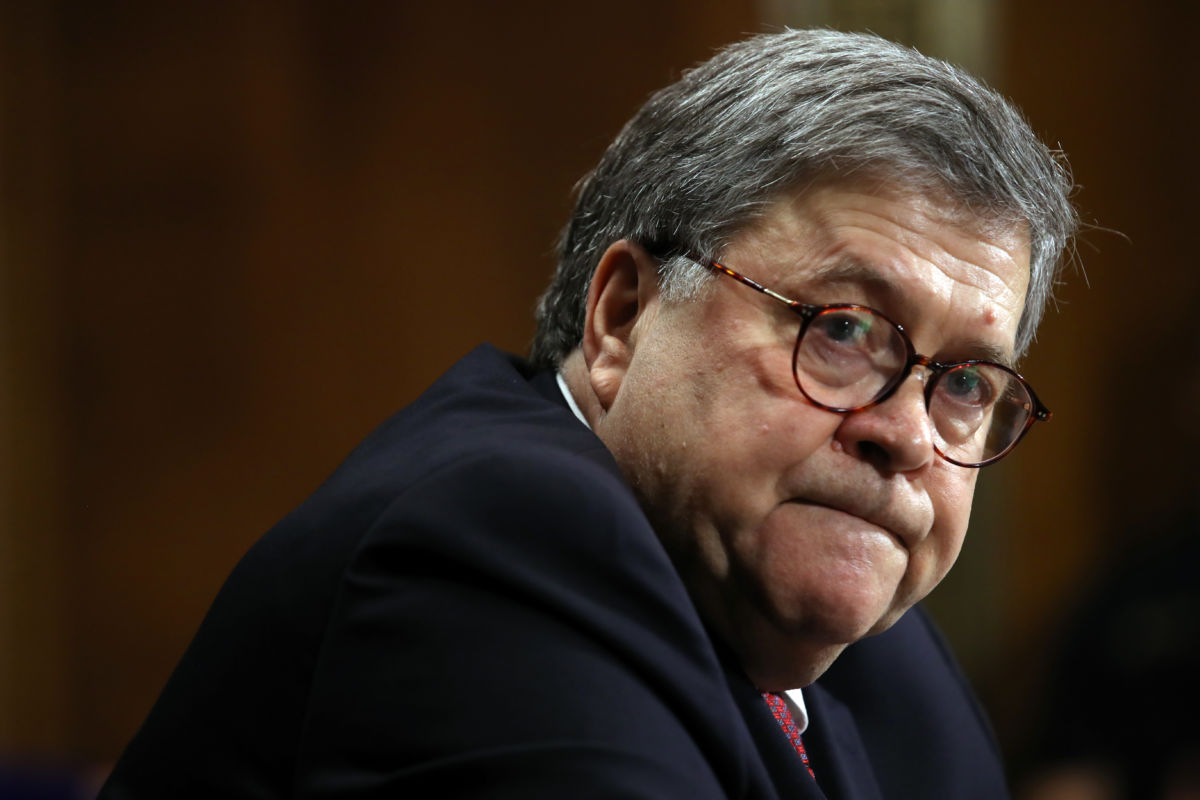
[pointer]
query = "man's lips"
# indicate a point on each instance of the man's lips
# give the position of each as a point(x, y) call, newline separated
point(878, 514)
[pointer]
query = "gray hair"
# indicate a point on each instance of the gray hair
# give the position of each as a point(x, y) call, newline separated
point(706, 156)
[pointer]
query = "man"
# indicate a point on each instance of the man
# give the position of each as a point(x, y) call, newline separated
point(777, 348)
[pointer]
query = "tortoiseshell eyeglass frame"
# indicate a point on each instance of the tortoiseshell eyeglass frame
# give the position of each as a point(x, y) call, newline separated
point(807, 312)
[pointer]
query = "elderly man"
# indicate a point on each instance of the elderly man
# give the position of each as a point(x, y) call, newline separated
point(778, 346)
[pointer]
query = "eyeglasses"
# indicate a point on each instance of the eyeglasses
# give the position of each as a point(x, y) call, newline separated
point(849, 358)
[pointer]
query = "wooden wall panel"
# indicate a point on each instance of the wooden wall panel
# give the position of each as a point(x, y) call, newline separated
point(35, 696)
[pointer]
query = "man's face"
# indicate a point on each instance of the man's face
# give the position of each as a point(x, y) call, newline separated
point(800, 530)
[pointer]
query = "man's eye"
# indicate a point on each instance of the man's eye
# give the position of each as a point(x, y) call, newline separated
point(844, 328)
point(969, 385)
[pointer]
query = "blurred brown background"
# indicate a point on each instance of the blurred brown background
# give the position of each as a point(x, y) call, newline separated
point(235, 236)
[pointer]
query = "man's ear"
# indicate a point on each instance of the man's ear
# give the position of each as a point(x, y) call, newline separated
point(623, 293)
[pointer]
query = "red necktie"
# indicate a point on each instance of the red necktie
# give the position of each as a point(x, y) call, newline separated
point(783, 716)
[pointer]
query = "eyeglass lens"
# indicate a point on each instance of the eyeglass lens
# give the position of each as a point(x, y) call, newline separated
point(850, 357)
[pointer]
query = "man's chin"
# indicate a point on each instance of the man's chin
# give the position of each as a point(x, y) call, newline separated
point(770, 672)
point(778, 656)
point(788, 656)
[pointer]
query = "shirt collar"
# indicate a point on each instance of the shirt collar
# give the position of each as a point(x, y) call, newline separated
point(799, 711)
point(562, 387)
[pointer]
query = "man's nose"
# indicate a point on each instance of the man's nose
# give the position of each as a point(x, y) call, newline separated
point(897, 434)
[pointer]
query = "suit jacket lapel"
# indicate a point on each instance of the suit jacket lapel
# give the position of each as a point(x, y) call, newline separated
point(836, 749)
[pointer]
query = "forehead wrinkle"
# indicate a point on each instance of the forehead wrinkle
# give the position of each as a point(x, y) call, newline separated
point(981, 274)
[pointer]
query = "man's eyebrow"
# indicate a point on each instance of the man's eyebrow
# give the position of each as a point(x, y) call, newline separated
point(851, 269)
point(977, 349)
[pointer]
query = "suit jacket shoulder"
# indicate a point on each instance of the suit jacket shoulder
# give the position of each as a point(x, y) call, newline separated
point(472, 605)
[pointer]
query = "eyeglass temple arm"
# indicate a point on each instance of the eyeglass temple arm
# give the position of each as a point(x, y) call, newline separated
point(753, 284)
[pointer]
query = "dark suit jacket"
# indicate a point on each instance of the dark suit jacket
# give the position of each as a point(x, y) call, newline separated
point(473, 605)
